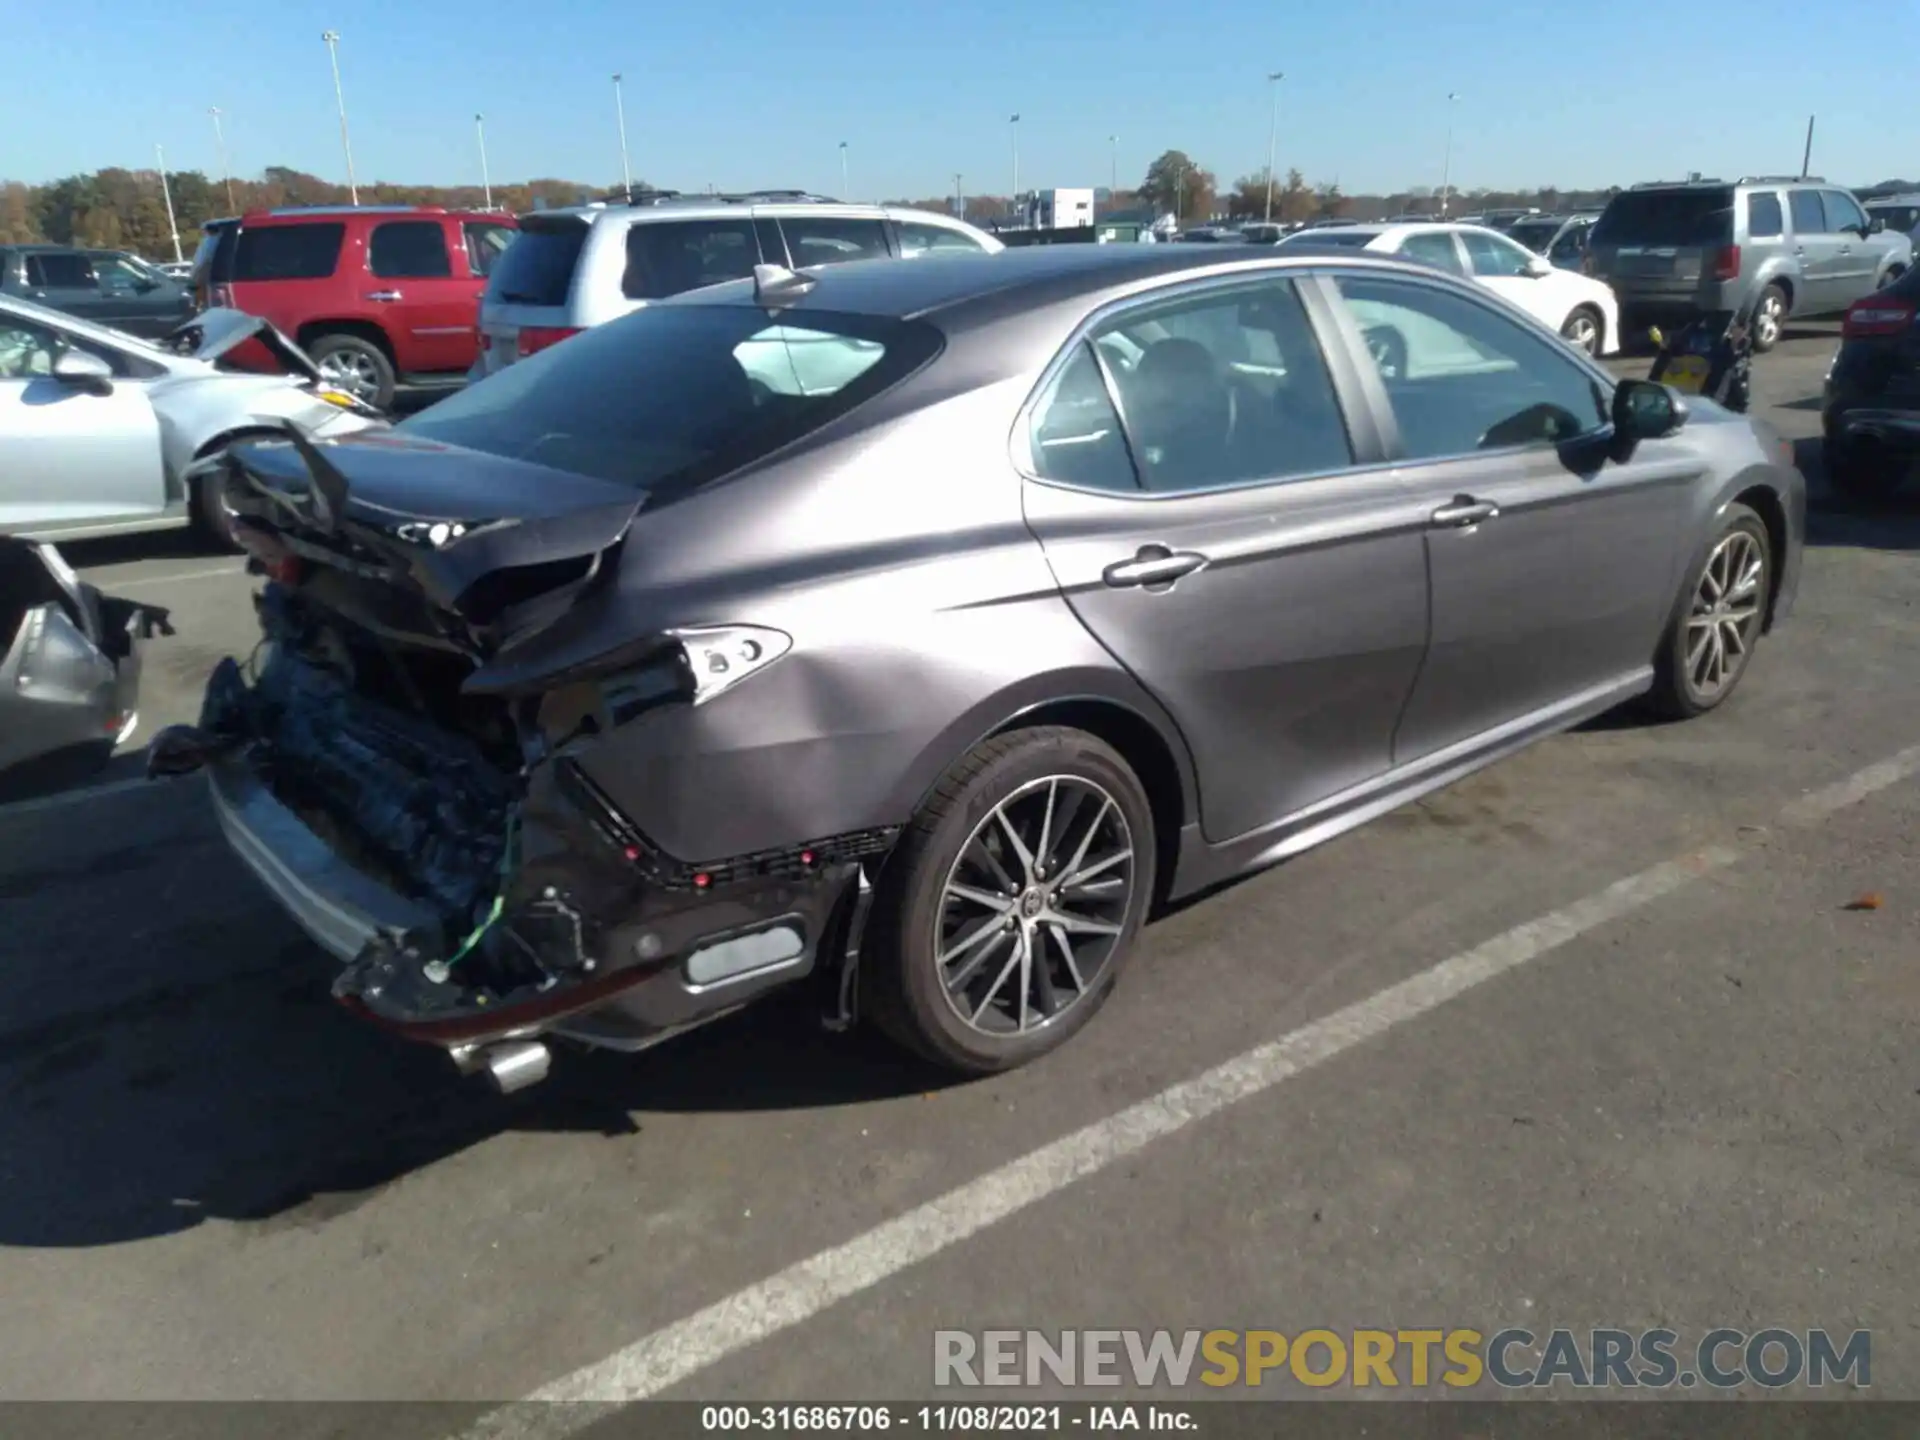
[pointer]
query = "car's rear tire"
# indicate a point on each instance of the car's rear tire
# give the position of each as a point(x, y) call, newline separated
point(1769, 319)
point(982, 955)
point(1717, 620)
point(1864, 470)
point(357, 365)
point(1585, 330)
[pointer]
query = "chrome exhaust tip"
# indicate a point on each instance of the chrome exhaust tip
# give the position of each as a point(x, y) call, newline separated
point(514, 1065)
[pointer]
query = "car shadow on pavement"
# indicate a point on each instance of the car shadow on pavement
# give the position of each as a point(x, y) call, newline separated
point(240, 1092)
point(1836, 522)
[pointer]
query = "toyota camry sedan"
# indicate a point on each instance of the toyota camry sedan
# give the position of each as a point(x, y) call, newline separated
point(914, 630)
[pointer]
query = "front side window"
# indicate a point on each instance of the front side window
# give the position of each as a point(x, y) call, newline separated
point(917, 238)
point(1434, 247)
point(674, 395)
point(287, 252)
point(1074, 435)
point(667, 258)
point(120, 276)
point(832, 240)
point(409, 250)
point(1842, 211)
point(26, 349)
point(1463, 378)
point(1225, 387)
point(56, 271)
point(486, 244)
point(1493, 256)
point(1809, 216)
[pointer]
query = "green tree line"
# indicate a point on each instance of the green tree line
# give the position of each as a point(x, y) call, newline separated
point(117, 209)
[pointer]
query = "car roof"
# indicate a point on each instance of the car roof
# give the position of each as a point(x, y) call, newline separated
point(967, 289)
point(297, 214)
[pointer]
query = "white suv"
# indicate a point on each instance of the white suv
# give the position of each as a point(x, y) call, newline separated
point(574, 268)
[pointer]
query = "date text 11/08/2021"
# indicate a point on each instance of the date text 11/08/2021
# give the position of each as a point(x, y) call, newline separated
point(943, 1419)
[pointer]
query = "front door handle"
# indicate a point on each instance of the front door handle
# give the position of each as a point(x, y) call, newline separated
point(1465, 511)
point(383, 295)
point(1152, 565)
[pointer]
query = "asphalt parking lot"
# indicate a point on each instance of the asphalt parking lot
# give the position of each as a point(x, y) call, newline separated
point(1593, 1038)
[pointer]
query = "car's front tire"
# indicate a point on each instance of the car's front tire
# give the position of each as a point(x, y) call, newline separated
point(1717, 622)
point(1769, 319)
point(1584, 330)
point(1012, 901)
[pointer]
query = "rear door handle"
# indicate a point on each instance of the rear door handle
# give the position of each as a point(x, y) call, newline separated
point(1152, 565)
point(1465, 511)
point(383, 295)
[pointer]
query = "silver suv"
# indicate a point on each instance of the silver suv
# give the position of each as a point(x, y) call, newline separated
point(574, 268)
point(1795, 246)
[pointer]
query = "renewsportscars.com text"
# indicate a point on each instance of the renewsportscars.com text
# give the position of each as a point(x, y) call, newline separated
point(1512, 1359)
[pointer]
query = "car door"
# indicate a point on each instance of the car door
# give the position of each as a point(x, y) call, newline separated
point(1192, 477)
point(1818, 252)
point(71, 458)
point(1552, 568)
point(138, 299)
point(1857, 254)
point(433, 313)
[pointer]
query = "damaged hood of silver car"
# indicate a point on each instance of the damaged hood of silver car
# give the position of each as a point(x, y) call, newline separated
point(212, 334)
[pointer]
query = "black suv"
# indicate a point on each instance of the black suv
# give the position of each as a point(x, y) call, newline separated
point(108, 287)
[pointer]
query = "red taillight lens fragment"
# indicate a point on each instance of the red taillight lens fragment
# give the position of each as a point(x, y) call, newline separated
point(1875, 316)
point(535, 338)
point(1726, 263)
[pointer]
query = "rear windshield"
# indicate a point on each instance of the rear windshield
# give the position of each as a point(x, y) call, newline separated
point(678, 394)
point(287, 252)
point(1535, 234)
point(537, 268)
point(1666, 217)
point(1331, 237)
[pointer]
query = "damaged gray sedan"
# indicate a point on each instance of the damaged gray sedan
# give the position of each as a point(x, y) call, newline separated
point(914, 628)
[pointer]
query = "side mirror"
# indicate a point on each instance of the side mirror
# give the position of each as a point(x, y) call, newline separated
point(83, 371)
point(1645, 410)
point(1538, 267)
point(1876, 226)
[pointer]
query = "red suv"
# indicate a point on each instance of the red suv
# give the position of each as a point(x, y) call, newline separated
point(382, 296)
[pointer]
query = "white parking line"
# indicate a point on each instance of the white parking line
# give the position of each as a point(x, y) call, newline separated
point(657, 1361)
point(210, 573)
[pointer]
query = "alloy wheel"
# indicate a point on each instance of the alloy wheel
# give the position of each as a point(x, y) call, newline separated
point(352, 372)
point(1725, 619)
point(1766, 324)
point(1034, 906)
point(1583, 334)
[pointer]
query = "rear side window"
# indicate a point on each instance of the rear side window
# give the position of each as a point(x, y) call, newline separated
point(409, 250)
point(1764, 220)
point(60, 272)
point(830, 240)
point(679, 394)
point(1809, 218)
point(1074, 436)
point(1434, 248)
point(287, 252)
point(537, 269)
point(667, 259)
point(1667, 217)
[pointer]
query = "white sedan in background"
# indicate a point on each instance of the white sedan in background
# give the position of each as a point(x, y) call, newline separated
point(1581, 309)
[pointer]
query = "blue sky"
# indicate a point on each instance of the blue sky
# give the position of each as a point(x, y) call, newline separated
point(755, 92)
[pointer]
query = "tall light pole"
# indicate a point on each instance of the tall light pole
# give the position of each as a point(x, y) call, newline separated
point(620, 110)
point(1273, 132)
point(486, 179)
point(332, 37)
point(1014, 124)
point(846, 191)
point(166, 194)
point(1446, 165)
point(220, 140)
point(959, 198)
point(1113, 166)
